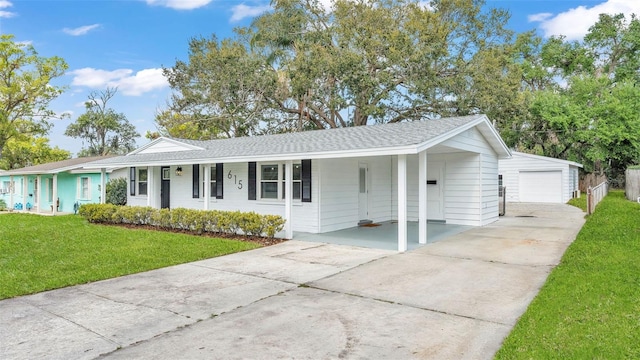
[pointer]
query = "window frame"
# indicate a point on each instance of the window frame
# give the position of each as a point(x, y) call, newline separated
point(82, 195)
point(213, 182)
point(139, 181)
point(280, 181)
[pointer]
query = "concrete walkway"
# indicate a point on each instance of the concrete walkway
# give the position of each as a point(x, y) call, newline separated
point(457, 298)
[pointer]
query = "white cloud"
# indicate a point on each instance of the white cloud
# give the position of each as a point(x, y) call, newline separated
point(6, 14)
point(539, 17)
point(242, 11)
point(179, 4)
point(82, 30)
point(127, 82)
point(575, 23)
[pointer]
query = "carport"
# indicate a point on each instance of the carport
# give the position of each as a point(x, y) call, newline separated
point(383, 235)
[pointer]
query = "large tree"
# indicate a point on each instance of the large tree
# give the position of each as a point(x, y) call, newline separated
point(302, 66)
point(27, 151)
point(104, 130)
point(26, 89)
point(587, 108)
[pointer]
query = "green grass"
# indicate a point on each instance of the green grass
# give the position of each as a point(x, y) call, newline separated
point(40, 253)
point(580, 202)
point(589, 308)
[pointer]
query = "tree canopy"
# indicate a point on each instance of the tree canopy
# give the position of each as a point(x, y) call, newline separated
point(104, 130)
point(28, 151)
point(302, 66)
point(26, 90)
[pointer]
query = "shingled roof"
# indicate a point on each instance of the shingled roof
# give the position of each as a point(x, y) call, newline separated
point(57, 166)
point(387, 139)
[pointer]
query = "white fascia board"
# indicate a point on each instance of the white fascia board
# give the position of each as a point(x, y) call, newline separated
point(275, 157)
point(546, 158)
point(506, 152)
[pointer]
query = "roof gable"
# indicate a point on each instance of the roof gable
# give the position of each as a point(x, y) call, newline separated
point(546, 158)
point(163, 145)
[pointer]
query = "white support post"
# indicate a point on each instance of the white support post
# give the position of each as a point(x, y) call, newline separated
point(11, 191)
point(207, 186)
point(288, 175)
point(55, 193)
point(402, 203)
point(151, 187)
point(38, 198)
point(103, 186)
point(422, 197)
point(25, 192)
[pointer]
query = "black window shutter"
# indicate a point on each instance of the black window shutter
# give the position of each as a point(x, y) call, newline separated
point(132, 181)
point(306, 180)
point(195, 180)
point(252, 181)
point(219, 180)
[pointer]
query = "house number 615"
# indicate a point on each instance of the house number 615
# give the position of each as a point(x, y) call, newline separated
point(235, 180)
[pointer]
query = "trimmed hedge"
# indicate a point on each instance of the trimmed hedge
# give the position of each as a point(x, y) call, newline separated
point(198, 221)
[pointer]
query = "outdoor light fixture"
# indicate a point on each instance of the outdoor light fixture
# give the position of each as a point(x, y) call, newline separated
point(179, 171)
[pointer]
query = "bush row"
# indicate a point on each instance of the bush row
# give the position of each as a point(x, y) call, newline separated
point(198, 221)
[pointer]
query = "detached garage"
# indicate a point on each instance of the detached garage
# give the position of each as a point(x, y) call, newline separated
point(538, 179)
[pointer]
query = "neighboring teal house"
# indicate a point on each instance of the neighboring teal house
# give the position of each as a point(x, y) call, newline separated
point(55, 187)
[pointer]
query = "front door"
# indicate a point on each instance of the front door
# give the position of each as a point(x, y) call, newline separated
point(363, 192)
point(165, 187)
point(435, 187)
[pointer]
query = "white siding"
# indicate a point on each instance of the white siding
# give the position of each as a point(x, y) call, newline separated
point(511, 168)
point(236, 196)
point(339, 188)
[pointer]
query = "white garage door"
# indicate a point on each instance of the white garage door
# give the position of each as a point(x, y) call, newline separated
point(541, 186)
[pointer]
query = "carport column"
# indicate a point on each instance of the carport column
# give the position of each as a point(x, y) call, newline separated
point(103, 187)
point(55, 193)
point(422, 197)
point(207, 185)
point(38, 193)
point(402, 203)
point(288, 176)
point(151, 187)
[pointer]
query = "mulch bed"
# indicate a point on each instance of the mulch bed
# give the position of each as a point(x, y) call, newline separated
point(263, 241)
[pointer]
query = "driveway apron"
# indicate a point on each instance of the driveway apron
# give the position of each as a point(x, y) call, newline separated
point(454, 299)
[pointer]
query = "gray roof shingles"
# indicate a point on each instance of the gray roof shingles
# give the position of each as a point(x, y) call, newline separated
point(316, 141)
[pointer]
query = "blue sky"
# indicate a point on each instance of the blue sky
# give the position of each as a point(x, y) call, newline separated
point(125, 43)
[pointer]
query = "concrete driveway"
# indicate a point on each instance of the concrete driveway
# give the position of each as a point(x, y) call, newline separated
point(457, 298)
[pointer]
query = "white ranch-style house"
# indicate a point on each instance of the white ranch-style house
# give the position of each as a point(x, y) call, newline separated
point(442, 170)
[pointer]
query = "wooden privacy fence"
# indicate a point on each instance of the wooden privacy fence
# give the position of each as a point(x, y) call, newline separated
point(595, 195)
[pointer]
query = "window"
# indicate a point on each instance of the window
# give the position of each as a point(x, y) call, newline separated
point(84, 188)
point(50, 189)
point(297, 181)
point(142, 181)
point(269, 181)
point(6, 187)
point(273, 174)
point(213, 189)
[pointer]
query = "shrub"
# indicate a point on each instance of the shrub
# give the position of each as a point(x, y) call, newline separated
point(116, 191)
point(3, 205)
point(199, 221)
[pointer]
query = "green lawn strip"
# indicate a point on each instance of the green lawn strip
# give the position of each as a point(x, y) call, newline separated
point(580, 202)
point(589, 308)
point(40, 253)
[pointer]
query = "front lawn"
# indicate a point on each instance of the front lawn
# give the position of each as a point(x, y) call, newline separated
point(589, 308)
point(40, 253)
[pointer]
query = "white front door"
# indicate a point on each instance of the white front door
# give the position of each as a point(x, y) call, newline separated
point(363, 191)
point(435, 187)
